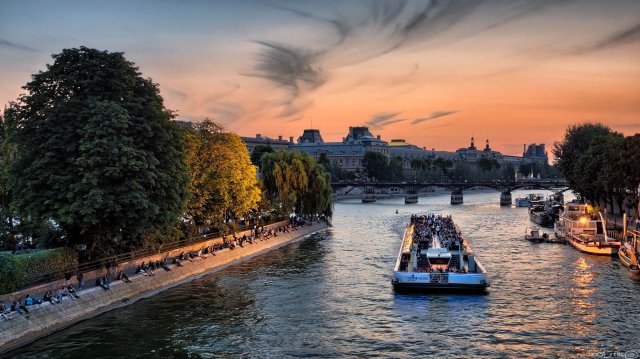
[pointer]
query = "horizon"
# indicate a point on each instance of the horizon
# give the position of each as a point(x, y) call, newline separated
point(434, 74)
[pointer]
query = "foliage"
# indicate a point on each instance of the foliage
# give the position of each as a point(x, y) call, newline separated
point(375, 165)
point(599, 164)
point(294, 182)
point(257, 153)
point(223, 180)
point(576, 141)
point(487, 164)
point(20, 270)
point(95, 151)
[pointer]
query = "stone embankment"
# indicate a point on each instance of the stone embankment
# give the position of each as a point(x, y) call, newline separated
point(47, 318)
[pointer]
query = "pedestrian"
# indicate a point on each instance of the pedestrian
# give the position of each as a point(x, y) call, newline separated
point(80, 278)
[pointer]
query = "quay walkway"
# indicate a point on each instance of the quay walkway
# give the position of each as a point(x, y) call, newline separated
point(46, 318)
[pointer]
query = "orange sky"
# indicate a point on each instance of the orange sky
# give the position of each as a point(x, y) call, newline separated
point(433, 73)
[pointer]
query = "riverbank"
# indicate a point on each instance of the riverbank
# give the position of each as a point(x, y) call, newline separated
point(47, 318)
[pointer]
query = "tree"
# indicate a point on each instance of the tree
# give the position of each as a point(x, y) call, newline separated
point(576, 141)
point(294, 182)
point(96, 152)
point(223, 180)
point(395, 169)
point(375, 164)
point(257, 153)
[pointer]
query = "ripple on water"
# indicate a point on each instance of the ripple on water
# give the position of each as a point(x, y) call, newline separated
point(329, 296)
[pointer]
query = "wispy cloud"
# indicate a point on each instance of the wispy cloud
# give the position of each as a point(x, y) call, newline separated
point(381, 120)
point(13, 45)
point(623, 37)
point(433, 116)
point(226, 112)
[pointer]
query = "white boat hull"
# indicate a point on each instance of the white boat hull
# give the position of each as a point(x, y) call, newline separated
point(592, 247)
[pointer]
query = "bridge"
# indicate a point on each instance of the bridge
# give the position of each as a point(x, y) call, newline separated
point(456, 187)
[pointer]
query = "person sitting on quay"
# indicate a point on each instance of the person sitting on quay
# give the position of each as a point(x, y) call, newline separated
point(70, 292)
point(21, 309)
point(4, 311)
point(28, 300)
point(164, 265)
point(60, 293)
point(101, 282)
point(48, 297)
point(123, 277)
point(177, 261)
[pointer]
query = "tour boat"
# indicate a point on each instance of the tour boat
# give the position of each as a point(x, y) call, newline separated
point(628, 254)
point(434, 256)
point(526, 201)
point(368, 198)
point(584, 229)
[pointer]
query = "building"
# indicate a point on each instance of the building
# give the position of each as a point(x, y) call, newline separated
point(349, 152)
point(536, 153)
point(277, 145)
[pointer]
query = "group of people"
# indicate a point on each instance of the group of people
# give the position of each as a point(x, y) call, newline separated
point(20, 306)
point(425, 227)
point(145, 268)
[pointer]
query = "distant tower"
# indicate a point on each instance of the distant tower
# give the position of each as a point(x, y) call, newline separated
point(473, 146)
point(487, 148)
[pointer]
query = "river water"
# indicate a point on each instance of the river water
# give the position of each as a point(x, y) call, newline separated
point(330, 296)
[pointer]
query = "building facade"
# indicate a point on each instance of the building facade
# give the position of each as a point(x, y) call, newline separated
point(348, 153)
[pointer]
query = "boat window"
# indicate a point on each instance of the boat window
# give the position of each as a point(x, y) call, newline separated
point(439, 260)
point(599, 228)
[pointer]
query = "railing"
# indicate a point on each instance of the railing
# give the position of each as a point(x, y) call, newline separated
point(132, 256)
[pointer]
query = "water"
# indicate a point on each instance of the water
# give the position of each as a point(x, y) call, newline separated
point(330, 295)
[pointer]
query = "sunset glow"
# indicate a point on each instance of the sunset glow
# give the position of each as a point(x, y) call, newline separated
point(435, 74)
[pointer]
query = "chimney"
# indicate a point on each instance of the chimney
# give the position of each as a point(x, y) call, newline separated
point(279, 137)
point(258, 136)
point(290, 139)
point(378, 137)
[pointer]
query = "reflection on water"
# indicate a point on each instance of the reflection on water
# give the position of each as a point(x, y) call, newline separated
point(330, 295)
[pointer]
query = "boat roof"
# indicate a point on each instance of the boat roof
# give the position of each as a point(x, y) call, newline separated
point(438, 253)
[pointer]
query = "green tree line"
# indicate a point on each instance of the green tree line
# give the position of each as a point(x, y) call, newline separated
point(90, 155)
point(601, 165)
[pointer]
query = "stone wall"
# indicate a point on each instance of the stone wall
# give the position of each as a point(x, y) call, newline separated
point(46, 318)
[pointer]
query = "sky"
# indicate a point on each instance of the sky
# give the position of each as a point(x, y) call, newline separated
point(433, 73)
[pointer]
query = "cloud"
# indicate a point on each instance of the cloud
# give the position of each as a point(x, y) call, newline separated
point(624, 37)
point(234, 87)
point(177, 94)
point(289, 67)
point(381, 120)
point(432, 116)
point(226, 112)
point(7, 43)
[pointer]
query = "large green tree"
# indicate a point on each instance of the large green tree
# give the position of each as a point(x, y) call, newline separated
point(96, 151)
point(577, 140)
point(223, 180)
point(257, 153)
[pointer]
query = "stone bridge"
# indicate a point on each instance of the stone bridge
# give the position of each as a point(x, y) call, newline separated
point(456, 187)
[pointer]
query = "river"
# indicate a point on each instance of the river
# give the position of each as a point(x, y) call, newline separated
point(330, 296)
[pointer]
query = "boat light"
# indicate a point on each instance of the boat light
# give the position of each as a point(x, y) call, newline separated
point(583, 219)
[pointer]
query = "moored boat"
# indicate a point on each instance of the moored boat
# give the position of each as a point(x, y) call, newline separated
point(539, 214)
point(532, 234)
point(526, 201)
point(628, 254)
point(434, 256)
point(583, 228)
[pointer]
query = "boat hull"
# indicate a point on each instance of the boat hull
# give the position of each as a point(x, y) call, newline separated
point(541, 219)
point(438, 282)
point(593, 249)
point(627, 262)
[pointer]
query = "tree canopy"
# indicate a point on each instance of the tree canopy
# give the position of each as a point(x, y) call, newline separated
point(257, 153)
point(599, 164)
point(223, 180)
point(294, 182)
point(95, 150)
